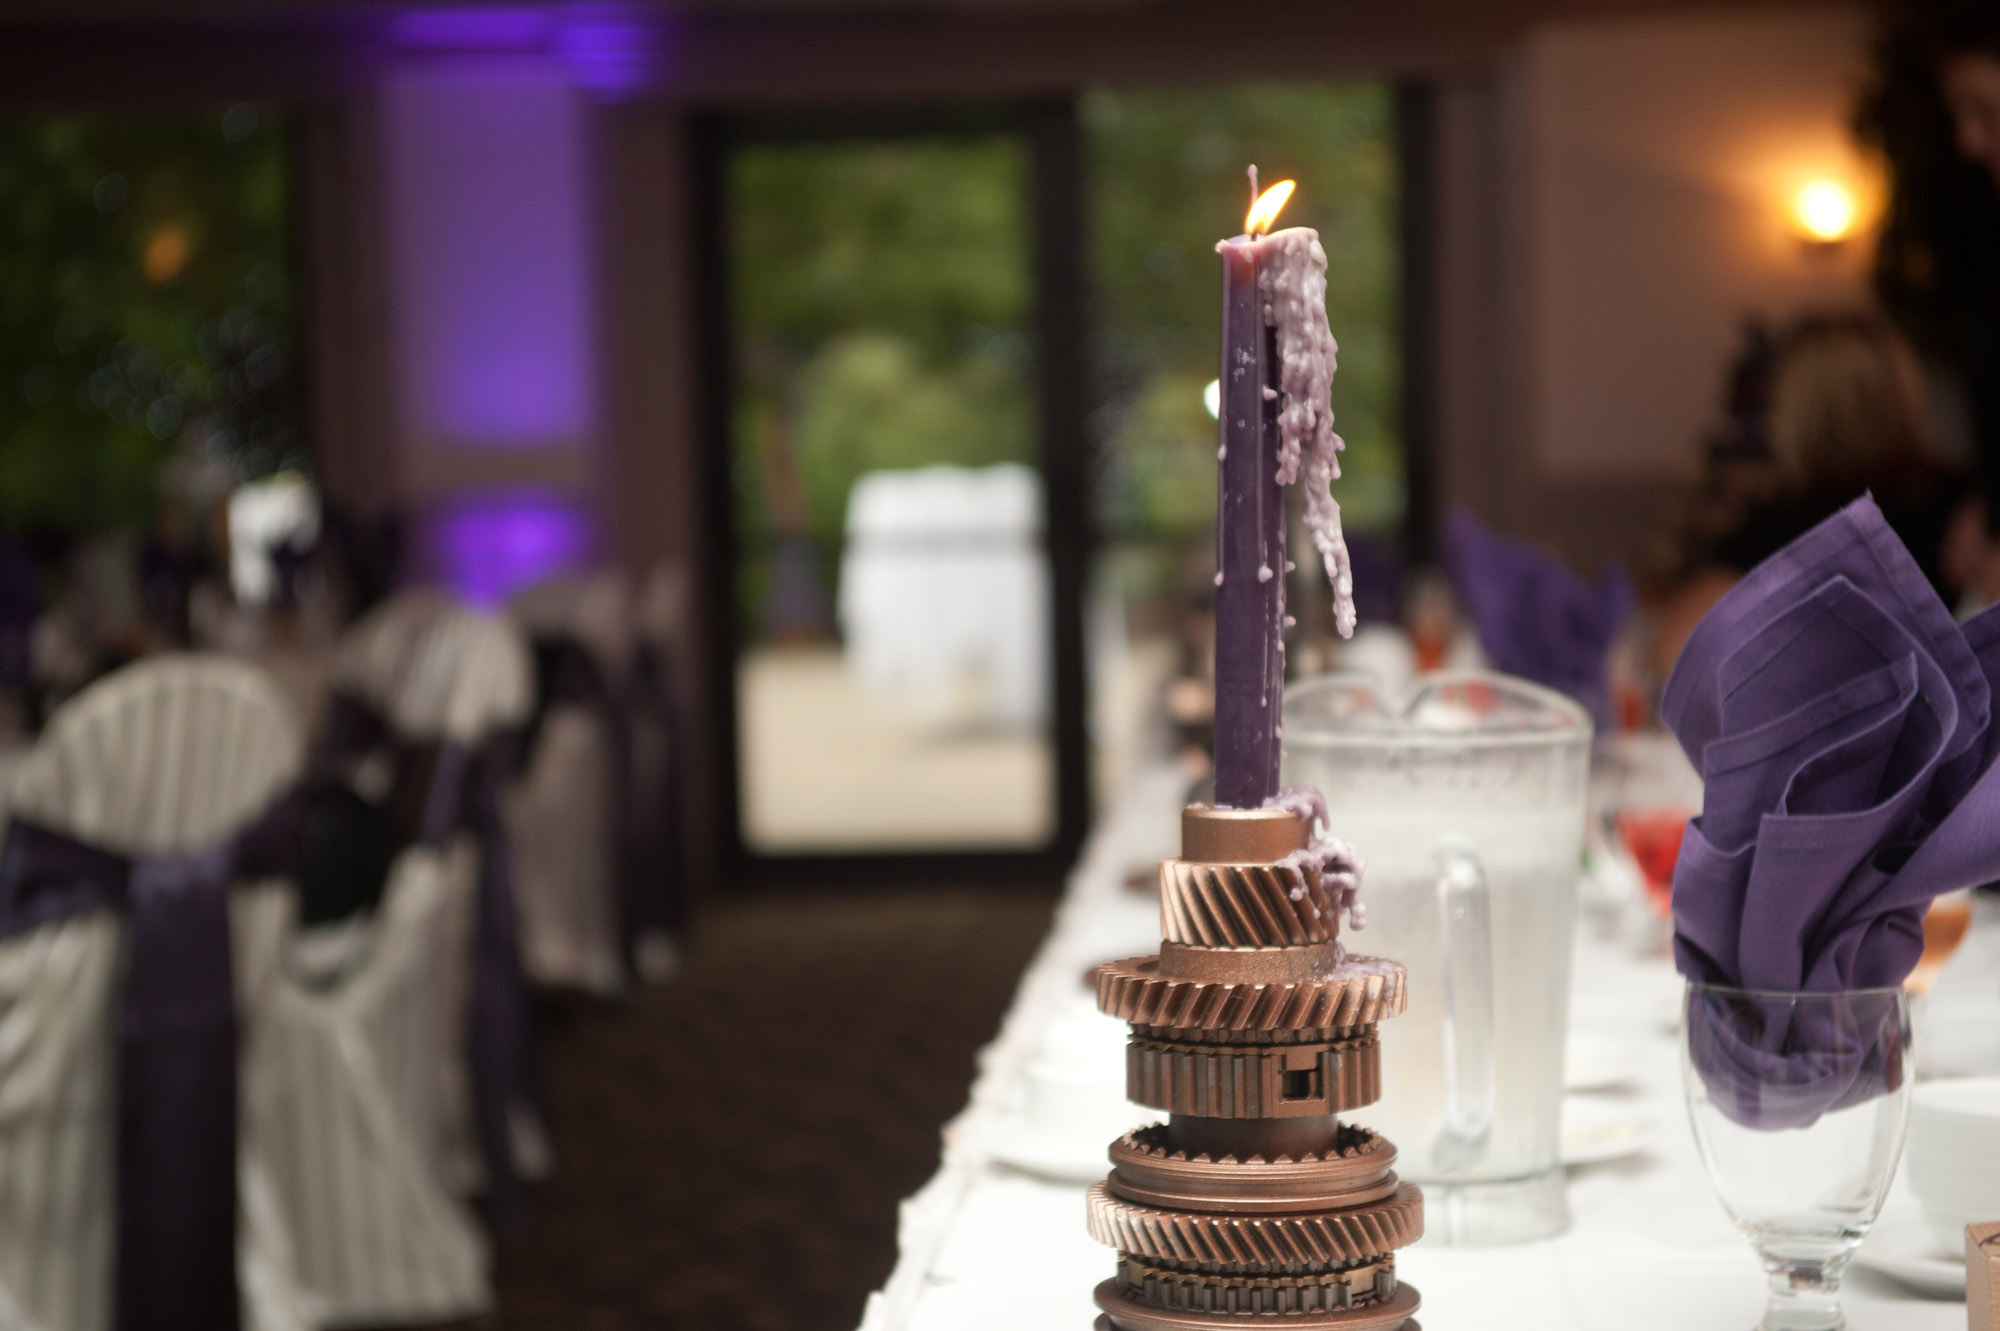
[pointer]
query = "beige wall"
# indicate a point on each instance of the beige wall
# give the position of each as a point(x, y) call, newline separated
point(1613, 203)
point(650, 503)
point(1662, 155)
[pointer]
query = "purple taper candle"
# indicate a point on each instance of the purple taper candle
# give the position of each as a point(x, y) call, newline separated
point(1277, 364)
point(1250, 543)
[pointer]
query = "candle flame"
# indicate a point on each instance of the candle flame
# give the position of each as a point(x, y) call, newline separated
point(1265, 210)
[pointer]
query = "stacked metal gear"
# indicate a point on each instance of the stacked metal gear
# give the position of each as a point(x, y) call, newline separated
point(1254, 1033)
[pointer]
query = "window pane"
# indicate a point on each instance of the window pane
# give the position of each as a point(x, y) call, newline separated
point(146, 309)
point(892, 616)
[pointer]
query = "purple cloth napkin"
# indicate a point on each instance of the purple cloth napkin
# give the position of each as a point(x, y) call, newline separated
point(1782, 1060)
point(1536, 618)
point(1378, 579)
point(1843, 727)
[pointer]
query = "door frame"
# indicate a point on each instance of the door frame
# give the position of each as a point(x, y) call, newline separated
point(1058, 323)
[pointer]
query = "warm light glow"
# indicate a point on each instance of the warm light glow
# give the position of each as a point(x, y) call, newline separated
point(1211, 397)
point(166, 252)
point(1265, 210)
point(1825, 210)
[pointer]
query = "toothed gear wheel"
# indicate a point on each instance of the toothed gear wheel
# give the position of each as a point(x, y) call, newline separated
point(1353, 1285)
point(1257, 1244)
point(1361, 992)
point(1124, 1313)
point(1245, 905)
point(1351, 1142)
point(1258, 1081)
point(1356, 1172)
point(1196, 1035)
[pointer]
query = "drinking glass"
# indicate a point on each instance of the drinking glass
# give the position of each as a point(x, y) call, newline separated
point(1800, 1103)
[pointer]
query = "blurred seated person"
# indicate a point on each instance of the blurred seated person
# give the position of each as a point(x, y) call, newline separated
point(1932, 112)
point(1847, 419)
point(1839, 414)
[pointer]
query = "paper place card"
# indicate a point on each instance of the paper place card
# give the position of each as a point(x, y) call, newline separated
point(1982, 1277)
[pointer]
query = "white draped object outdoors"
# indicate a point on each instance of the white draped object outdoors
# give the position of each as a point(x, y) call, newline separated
point(943, 579)
point(985, 1246)
point(167, 757)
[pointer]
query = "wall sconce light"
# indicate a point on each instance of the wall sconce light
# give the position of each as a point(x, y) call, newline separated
point(1824, 211)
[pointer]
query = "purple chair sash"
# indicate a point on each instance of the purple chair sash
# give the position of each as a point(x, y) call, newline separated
point(439, 788)
point(175, 1264)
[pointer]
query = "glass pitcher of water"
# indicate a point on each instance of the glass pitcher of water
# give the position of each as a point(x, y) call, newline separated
point(1465, 796)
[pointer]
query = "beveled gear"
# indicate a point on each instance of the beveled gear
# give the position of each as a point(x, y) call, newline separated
point(1361, 992)
point(1358, 1171)
point(1256, 1081)
point(1257, 1244)
point(1245, 905)
point(1353, 1286)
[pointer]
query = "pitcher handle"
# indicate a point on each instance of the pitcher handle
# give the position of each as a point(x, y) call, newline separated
point(1465, 917)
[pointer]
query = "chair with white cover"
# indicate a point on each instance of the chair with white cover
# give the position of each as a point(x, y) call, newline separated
point(372, 1014)
point(564, 811)
point(169, 757)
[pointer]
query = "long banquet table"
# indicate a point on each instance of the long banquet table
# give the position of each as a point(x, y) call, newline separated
point(985, 1246)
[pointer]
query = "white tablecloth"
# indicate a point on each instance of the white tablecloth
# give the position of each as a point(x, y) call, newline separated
point(984, 1246)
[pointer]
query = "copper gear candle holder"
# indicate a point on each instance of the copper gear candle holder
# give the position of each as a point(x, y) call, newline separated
point(1253, 1201)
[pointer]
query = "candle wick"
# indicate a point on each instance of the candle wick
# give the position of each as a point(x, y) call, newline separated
point(1253, 184)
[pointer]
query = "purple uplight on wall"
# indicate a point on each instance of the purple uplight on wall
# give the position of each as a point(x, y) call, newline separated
point(612, 49)
point(489, 244)
point(608, 48)
point(498, 29)
point(486, 547)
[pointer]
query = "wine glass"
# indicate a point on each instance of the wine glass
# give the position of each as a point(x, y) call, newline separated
point(1800, 1103)
point(1652, 837)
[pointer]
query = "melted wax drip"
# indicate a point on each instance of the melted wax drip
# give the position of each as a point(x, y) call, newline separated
point(1338, 864)
point(1291, 276)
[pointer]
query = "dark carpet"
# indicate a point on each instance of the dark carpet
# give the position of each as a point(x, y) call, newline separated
point(731, 1147)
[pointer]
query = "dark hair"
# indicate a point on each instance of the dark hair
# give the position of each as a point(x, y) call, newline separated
point(1937, 269)
point(1955, 27)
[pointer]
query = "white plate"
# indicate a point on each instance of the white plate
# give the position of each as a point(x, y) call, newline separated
point(1064, 1157)
point(1902, 1246)
point(1598, 1063)
point(1595, 1132)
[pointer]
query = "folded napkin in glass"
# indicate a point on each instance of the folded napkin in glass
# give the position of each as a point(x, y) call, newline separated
point(1843, 726)
point(1536, 618)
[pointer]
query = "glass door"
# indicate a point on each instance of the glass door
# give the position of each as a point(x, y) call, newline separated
point(892, 599)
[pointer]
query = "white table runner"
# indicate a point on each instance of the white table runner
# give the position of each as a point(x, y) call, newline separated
point(984, 1246)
